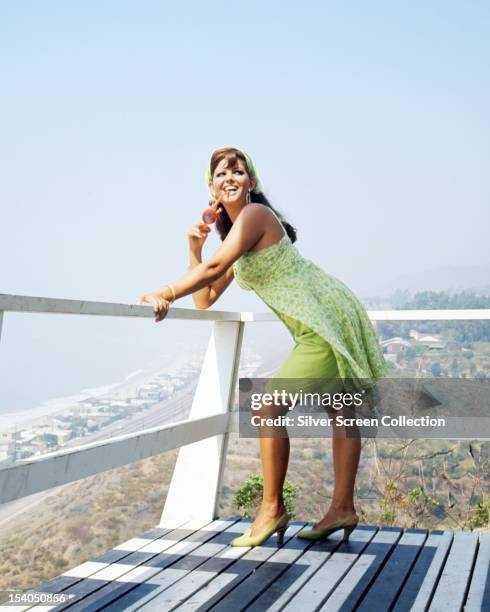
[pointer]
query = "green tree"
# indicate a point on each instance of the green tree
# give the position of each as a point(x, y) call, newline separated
point(249, 495)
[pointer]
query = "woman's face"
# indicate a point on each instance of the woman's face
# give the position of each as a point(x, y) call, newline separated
point(233, 181)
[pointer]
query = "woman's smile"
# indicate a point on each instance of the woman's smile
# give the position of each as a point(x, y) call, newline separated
point(231, 191)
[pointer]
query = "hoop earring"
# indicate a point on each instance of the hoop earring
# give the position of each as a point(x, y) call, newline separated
point(248, 196)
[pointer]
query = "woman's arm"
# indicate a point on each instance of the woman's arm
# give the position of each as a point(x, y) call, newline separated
point(247, 230)
point(206, 297)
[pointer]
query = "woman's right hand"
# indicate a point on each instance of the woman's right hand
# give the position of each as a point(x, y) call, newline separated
point(197, 235)
point(160, 305)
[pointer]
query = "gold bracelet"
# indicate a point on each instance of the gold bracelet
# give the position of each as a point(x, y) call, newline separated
point(173, 291)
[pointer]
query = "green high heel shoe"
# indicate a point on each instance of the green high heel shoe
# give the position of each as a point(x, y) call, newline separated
point(249, 540)
point(322, 533)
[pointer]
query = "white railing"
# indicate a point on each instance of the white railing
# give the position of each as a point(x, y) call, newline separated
point(202, 439)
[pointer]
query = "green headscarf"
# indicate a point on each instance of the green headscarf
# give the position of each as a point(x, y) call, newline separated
point(250, 169)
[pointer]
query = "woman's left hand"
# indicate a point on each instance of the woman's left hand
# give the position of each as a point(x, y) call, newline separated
point(160, 305)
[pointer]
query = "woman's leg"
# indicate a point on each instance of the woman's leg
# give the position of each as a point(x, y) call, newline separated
point(346, 453)
point(346, 450)
point(274, 445)
point(274, 453)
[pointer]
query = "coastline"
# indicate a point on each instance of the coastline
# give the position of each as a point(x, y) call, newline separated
point(12, 420)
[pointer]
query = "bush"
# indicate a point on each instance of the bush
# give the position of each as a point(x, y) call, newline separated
point(60, 562)
point(249, 495)
point(480, 515)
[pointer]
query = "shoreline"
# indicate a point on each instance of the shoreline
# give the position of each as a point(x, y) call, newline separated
point(12, 421)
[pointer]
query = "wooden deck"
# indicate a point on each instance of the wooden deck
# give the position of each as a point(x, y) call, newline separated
point(194, 568)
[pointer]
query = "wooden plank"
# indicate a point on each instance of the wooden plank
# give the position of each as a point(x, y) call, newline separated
point(62, 582)
point(249, 317)
point(418, 590)
point(296, 576)
point(479, 592)
point(26, 303)
point(330, 573)
point(384, 591)
point(67, 465)
point(87, 577)
point(224, 582)
point(362, 574)
point(259, 580)
point(110, 583)
point(205, 562)
point(453, 583)
point(467, 314)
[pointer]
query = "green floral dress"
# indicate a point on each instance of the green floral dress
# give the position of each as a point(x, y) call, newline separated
point(300, 292)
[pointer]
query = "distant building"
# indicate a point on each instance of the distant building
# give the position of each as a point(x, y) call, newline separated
point(140, 403)
point(150, 391)
point(431, 341)
point(394, 345)
point(391, 358)
point(58, 436)
point(57, 422)
point(27, 435)
point(7, 444)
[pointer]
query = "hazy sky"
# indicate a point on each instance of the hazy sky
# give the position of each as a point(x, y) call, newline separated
point(368, 124)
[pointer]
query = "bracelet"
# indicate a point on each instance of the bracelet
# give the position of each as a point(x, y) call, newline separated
point(172, 290)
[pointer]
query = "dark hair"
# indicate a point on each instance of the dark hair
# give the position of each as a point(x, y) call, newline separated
point(224, 223)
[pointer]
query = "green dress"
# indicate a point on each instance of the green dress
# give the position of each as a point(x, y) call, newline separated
point(333, 333)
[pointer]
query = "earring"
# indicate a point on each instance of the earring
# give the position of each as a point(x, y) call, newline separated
point(248, 196)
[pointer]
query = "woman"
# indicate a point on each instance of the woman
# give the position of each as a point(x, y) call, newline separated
point(334, 336)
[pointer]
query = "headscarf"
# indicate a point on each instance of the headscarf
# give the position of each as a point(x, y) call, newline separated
point(250, 169)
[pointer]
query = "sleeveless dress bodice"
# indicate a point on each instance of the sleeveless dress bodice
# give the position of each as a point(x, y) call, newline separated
point(301, 293)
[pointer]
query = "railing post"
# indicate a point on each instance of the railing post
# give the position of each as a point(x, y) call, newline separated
point(196, 481)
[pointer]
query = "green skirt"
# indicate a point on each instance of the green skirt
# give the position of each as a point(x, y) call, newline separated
point(312, 356)
point(312, 360)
